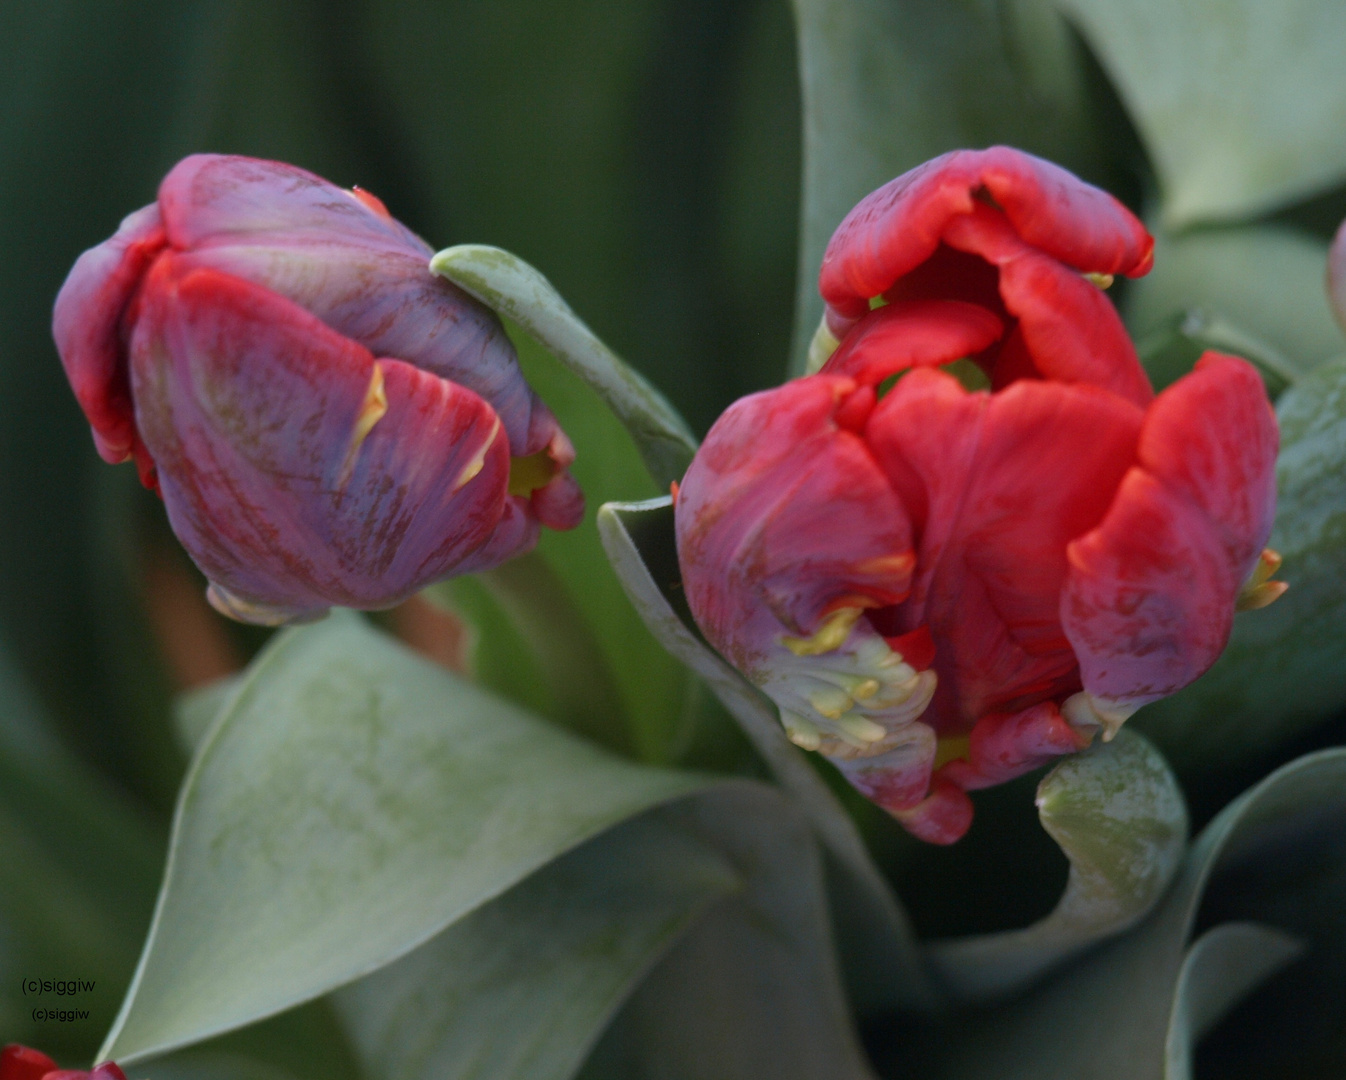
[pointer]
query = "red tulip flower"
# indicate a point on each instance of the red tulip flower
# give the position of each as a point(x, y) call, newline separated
point(328, 422)
point(23, 1063)
point(944, 586)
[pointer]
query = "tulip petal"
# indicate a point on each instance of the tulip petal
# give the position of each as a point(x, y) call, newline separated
point(24, 1063)
point(896, 228)
point(87, 326)
point(1003, 483)
point(1149, 600)
point(1068, 326)
point(361, 272)
point(913, 333)
point(288, 488)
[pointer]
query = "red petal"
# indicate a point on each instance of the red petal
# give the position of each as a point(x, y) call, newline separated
point(87, 326)
point(1067, 325)
point(913, 333)
point(1009, 479)
point(1150, 597)
point(24, 1063)
point(783, 514)
point(1003, 746)
point(896, 228)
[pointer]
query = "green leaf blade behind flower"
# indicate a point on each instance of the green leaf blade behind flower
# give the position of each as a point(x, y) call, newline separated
point(518, 292)
point(1118, 815)
point(352, 801)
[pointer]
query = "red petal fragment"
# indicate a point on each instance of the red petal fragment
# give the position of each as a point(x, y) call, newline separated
point(87, 326)
point(24, 1063)
point(913, 333)
point(942, 817)
point(917, 648)
point(896, 228)
point(1067, 325)
point(1003, 746)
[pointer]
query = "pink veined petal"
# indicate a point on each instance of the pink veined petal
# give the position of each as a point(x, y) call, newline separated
point(1150, 596)
point(87, 326)
point(1007, 480)
point(783, 516)
point(251, 408)
point(896, 228)
point(913, 333)
point(1068, 326)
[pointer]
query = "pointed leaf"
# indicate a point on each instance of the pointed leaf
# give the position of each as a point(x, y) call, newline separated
point(518, 292)
point(875, 934)
point(352, 802)
point(1118, 815)
point(1239, 102)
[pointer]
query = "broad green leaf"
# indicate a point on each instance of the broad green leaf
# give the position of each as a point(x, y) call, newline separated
point(873, 931)
point(752, 990)
point(1117, 813)
point(1264, 280)
point(1219, 970)
point(1124, 1011)
point(518, 292)
point(195, 710)
point(1172, 350)
point(888, 84)
point(352, 802)
point(1241, 103)
point(1285, 667)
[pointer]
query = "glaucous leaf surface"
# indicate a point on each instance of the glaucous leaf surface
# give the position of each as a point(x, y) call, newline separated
point(353, 801)
point(1126, 1011)
point(1263, 280)
point(1285, 667)
point(752, 990)
point(878, 949)
point(1118, 815)
point(518, 292)
point(1240, 103)
point(888, 84)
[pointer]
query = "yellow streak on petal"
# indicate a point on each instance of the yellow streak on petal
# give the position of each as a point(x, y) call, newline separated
point(478, 461)
point(1260, 590)
point(372, 410)
point(527, 474)
point(1103, 281)
point(831, 635)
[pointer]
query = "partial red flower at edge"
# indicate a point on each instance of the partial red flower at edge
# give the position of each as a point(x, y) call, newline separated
point(944, 588)
point(24, 1063)
point(327, 420)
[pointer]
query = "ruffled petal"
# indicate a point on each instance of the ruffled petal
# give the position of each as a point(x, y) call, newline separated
point(297, 469)
point(1005, 482)
point(896, 228)
point(87, 326)
point(913, 333)
point(1149, 600)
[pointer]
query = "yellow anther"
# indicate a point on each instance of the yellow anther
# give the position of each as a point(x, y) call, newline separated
point(865, 690)
point(478, 460)
point(831, 635)
point(800, 732)
point(862, 728)
point(527, 474)
point(1103, 281)
point(372, 410)
point(1260, 590)
point(831, 702)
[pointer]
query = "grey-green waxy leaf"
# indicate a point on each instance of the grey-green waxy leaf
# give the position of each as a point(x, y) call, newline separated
point(352, 802)
point(888, 84)
point(1241, 103)
point(874, 934)
point(1265, 281)
point(1118, 815)
point(1129, 1010)
point(1285, 667)
point(752, 990)
point(525, 985)
point(194, 710)
point(519, 292)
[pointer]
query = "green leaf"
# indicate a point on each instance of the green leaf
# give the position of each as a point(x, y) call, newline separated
point(1127, 1011)
point(525, 985)
point(1117, 813)
point(1265, 281)
point(888, 84)
point(1239, 102)
point(520, 293)
point(752, 990)
point(1285, 667)
point(873, 931)
point(194, 710)
point(352, 802)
